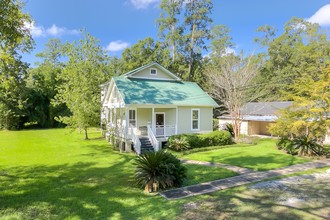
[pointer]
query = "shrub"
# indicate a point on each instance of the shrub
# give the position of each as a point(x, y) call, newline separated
point(217, 138)
point(178, 144)
point(214, 138)
point(160, 169)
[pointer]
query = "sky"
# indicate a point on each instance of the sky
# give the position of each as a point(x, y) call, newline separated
point(119, 24)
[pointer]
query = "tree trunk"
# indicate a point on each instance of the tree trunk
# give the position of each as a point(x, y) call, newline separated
point(190, 75)
point(173, 44)
point(86, 134)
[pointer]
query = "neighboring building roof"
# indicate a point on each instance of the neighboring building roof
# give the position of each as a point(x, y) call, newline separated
point(145, 91)
point(260, 111)
point(264, 108)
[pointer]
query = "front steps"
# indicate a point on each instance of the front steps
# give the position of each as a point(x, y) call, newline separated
point(146, 145)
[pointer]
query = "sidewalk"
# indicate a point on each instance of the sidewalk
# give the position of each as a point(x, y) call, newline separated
point(243, 179)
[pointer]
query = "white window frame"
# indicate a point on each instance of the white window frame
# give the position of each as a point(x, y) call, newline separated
point(135, 115)
point(198, 120)
point(152, 73)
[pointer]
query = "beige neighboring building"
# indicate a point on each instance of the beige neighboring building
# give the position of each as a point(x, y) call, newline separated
point(145, 106)
point(257, 117)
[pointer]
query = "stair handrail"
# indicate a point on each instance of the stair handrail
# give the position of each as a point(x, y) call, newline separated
point(135, 139)
point(153, 138)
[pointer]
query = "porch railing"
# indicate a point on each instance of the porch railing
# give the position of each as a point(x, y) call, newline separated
point(135, 139)
point(167, 130)
point(153, 139)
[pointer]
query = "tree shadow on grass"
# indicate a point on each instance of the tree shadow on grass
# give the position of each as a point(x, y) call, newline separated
point(84, 190)
point(242, 203)
point(258, 163)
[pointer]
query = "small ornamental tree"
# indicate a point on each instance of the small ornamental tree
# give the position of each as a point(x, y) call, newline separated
point(230, 81)
point(308, 117)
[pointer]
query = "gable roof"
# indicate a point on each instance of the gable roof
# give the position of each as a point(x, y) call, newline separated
point(146, 91)
point(263, 108)
point(133, 72)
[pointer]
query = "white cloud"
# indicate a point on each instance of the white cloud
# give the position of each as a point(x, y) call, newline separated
point(143, 4)
point(229, 51)
point(53, 31)
point(117, 46)
point(322, 16)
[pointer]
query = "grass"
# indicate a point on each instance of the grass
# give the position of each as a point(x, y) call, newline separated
point(55, 174)
point(199, 174)
point(262, 156)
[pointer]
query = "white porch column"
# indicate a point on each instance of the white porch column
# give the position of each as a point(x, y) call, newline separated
point(115, 117)
point(127, 144)
point(176, 120)
point(110, 112)
point(153, 123)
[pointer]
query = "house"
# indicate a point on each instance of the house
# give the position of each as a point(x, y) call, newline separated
point(256, 117)
point(145, 106)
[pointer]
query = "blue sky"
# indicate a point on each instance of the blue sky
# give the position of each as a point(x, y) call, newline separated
point(121, 23)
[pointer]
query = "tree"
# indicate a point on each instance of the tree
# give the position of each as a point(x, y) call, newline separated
point(169, 29)
point(42, 83)
point(309, 115)
point(229, 83)
point(221, 41)
point(302, 49)
point(82, 75)
point(15, 39)
point(197, 20)
point(145, 52)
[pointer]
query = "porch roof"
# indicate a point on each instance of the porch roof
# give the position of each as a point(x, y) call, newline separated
point(145, 91)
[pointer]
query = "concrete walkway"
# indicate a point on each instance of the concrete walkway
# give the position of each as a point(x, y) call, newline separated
point(236, 169)
point(243, 179)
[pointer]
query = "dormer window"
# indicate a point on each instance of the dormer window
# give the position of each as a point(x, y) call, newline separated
point(153, 71)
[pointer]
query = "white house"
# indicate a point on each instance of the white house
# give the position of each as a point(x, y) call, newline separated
point(145, 106)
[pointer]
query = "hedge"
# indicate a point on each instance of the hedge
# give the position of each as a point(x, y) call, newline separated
point(215, 138)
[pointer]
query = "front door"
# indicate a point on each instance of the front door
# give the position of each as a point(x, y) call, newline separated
point(160, 124)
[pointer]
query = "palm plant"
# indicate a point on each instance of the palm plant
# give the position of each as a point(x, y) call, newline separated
point(307, 146)
point(160, 169)
point(303, 145)
point(230, 128)
point(179, 144)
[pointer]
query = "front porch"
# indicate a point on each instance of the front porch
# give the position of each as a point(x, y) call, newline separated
point(129, 125)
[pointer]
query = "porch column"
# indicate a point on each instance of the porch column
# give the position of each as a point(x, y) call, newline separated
point(115, 118)
point(109, 120)
point(176, 120)
point(153, 121)
point(127, 144)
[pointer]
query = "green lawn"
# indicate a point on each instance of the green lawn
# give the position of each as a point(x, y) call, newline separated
point(199, 174)
point(55, 174)
point(262, 156)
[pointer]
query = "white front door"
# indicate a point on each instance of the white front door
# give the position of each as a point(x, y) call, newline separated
point(160, 123)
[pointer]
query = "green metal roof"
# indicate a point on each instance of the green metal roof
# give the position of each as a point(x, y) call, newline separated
point(146, 91)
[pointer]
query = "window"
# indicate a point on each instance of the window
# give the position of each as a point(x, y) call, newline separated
point(153, 71)
point(194, 119)
point(132, 118)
